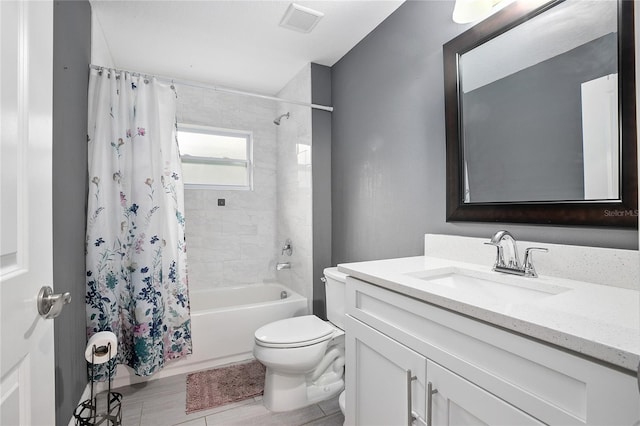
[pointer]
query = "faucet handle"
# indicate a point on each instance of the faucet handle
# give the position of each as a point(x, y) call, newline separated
point(529, 270)
point(287, 248)
point(499, 255)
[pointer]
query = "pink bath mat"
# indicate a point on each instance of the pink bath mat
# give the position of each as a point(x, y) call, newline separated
point(212, 388)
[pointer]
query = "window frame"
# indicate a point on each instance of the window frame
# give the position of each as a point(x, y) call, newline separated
point(211, 130)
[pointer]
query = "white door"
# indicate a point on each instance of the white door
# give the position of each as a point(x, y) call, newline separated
point(385, 379)
point(27, 388)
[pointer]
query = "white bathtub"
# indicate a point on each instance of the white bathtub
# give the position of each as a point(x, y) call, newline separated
point(222, 325)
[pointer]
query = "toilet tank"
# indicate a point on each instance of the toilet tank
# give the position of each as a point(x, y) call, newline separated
point(335, 289)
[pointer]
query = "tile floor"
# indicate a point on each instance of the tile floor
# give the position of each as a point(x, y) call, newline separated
point(162, 403)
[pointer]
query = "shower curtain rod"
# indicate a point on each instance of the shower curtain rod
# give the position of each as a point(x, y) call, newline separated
point(217, 88)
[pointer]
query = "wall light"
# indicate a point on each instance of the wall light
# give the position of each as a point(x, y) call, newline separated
point(466, 11)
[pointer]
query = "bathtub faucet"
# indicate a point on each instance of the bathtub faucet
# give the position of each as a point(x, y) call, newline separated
point(287, 248)
point(281, 266)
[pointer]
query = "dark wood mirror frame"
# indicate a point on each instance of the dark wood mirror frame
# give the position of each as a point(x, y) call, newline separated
point(621, 214)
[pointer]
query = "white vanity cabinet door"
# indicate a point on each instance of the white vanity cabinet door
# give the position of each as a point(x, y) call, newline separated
point(379, 377)
point(456, 401)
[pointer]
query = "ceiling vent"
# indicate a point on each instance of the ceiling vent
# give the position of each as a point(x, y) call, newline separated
point(300, 18)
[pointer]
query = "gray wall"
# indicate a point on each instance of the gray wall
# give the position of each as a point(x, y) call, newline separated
point(388, 145)
point(71, 56)
point(540, 158)
point(321, 178)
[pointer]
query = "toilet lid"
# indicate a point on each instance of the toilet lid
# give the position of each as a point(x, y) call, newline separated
point(300, 331)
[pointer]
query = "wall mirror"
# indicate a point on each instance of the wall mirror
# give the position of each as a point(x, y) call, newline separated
point(540, 116)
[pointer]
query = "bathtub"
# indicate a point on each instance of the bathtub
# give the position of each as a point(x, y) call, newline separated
point(222, 325)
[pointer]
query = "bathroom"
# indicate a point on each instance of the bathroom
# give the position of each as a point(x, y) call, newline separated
point(381, 187)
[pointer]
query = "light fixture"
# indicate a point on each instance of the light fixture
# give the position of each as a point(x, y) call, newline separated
point(466, 11)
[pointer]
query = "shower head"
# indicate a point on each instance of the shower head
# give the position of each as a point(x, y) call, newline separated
point(277, 120)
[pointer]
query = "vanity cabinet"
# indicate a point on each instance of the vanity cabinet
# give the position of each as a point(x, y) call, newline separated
point(389, 382)
point(398, 348)
point(391, 378)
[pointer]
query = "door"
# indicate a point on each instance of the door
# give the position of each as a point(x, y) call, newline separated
point(456, 401)
point(385, 380)
point(27, 388)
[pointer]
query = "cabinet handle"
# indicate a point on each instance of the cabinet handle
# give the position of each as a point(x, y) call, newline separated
point(410, 379)
point(430, 392)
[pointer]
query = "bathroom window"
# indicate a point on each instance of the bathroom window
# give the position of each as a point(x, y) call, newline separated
point(215, 158)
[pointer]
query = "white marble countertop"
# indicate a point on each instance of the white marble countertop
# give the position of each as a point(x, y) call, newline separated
point(600, 321)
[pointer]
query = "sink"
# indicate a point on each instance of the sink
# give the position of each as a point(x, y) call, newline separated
point(495, 286)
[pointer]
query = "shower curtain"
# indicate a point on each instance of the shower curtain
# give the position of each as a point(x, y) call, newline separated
point(135, 248)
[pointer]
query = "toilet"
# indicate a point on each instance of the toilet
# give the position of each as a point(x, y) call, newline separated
point(304, 355)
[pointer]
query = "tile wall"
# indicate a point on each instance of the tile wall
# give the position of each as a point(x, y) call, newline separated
point(241, 242)
point(234, 244)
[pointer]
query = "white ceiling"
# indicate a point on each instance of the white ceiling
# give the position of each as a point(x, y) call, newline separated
point(237, 44)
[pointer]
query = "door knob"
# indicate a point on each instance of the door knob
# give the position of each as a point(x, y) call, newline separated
point(50, 305)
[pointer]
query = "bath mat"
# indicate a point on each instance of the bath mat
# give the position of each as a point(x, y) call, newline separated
point(212, 388)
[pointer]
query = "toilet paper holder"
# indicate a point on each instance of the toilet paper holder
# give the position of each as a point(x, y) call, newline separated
point(86, 413)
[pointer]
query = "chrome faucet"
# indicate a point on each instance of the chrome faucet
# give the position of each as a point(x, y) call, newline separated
point(509, 262)
point(512, 261)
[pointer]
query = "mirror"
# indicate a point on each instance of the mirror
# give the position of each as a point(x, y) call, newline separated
point(540, 112)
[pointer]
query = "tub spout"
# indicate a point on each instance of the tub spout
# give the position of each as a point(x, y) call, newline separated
point(284, 265)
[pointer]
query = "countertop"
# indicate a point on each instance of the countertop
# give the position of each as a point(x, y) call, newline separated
point(599, 321)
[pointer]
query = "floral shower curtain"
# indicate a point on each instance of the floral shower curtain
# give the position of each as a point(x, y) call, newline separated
point(135, 249)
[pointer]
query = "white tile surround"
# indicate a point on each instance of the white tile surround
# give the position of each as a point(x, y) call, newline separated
point(294, 192)
point(235, 244)
point(614, 267)
point(241, 242)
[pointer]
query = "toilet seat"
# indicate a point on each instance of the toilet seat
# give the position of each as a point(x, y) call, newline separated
point(294, 332)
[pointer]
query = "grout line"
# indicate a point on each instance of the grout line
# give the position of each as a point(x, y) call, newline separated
point(321, 418)
point(317, 418)
point(141, 411)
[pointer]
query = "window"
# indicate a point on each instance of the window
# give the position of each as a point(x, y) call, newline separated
point(215, 158)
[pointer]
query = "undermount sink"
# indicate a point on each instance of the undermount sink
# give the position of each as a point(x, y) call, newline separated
point(490, 285)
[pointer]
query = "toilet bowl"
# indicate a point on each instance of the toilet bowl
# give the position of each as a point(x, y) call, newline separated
point(304, 355)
